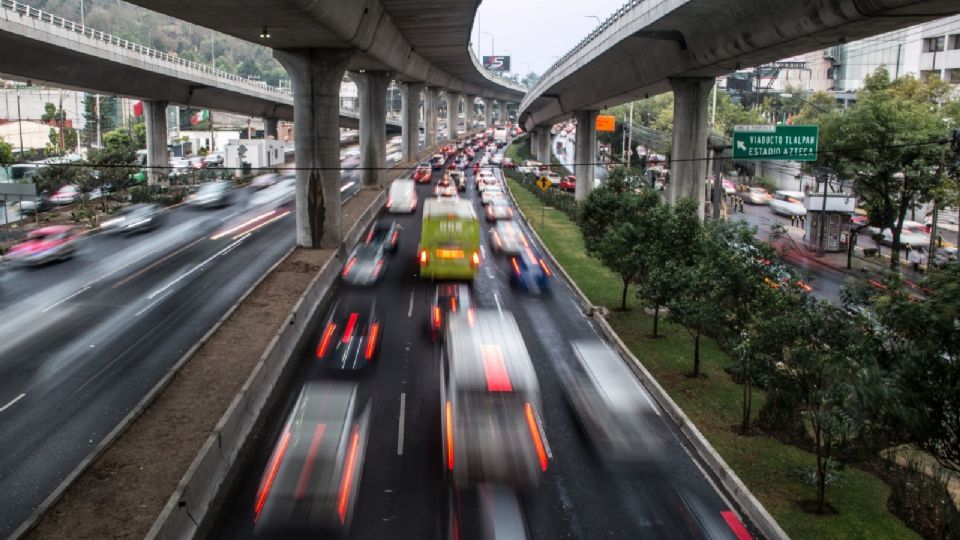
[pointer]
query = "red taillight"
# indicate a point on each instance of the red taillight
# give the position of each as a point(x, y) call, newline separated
point(369, 237)
point(396, 236)
point(376, 269)
point(537, 438)
point(475, 259)
point(545, 269)
point(424, 257)
point(372, 341)
point(349, 266)
point(347, 480)
point(389, 202)
point(436, 317)
point(271, 473)
point(449, 422)
point(351, 324)
point(516, 267)
point(325, 341)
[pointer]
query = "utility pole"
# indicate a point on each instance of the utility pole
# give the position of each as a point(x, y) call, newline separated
point(823, 214)
point(935, 215)
point(630, 138)
point(97, 115)
point(20, 121)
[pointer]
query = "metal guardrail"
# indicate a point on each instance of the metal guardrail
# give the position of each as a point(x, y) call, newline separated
point(493, 77)
point(27, 11)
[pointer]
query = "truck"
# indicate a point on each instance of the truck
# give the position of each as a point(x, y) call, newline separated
point(500, 136)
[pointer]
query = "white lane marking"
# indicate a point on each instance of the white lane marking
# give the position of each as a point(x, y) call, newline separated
point(152, 304)
point(8, 405)
point(223, 251)
point(483, 251)
point(543, 434)
point(231, 216)
point(410, 309)
point(403, 409)
point(346, 186)
point(48, 308)
point(496, 298)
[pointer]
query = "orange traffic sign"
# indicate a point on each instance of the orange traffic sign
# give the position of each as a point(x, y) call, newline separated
point(606, 122)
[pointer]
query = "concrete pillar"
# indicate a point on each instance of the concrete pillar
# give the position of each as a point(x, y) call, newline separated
point(155, 116)
point(542, 148)
point(453, 115)
point(270, 126)
point(488, 112)
point(410, 120)
point(372, 90)
point(688, 165)
point(430, 99)
point(316, 75)
point(468, 107)
point(586, 152)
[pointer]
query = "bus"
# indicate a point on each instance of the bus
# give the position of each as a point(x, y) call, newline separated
point(449, 240)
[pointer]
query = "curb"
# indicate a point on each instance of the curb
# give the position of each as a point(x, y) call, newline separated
point(758, 516)
point(187, 507)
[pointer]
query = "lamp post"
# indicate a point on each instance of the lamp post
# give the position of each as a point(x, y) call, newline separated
point(492, 46)
point(599, 22)
point(82, 23)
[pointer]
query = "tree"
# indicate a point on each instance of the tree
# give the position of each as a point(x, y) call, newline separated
point(610, 219)
point(105, 119)
point(52, 114)
point(6, 154)
point(115, 163)
point(884, 143)
point(731, 114)
point(530, 79)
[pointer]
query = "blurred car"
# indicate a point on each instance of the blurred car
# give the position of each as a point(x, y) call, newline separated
point(213, 160)
point(757, 195)
point(508, 163)
point(568, 184)
point(196, 162)
point(490, 194)
point(490, 400)
point(351, 337)
point(39, 204)
point(788, 203)
point(44, 245)
point(729, 187)
point(486, 512)
point(458, 179)
point(461, 162)
point(499, 209)
point(444, 180)
point(365, 265)
point(531, 167)
point(506, 237)
point(422, 173)
point(402, 196)
point(448, 298)
point(313, 476)
point(262, 181)
point(530, 273)
point(437, 161)
point(496, 159)
point(211, 195)
point(135, 218)
point(943, 256)
point(180, 167)
point(67, 194)
point(612, 406)
point(913, 233)
point(447, 192)
point(385, 234)
point(553, 177)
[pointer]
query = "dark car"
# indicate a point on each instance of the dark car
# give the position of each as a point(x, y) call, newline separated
point(40, 204)
point(312, 479)
point(529, 272)
point(351, 337)
point(459, 179)
point(366, 264)
point(134, 219)
point(448, 298)
point(384, 233)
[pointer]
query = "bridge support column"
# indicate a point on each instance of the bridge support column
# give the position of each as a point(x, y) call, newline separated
point(430, 99)
point(690, 130)
point(586, 152)
point(372, 89)
point(155, 116)
point(542, 144)
point(488, 112)
point(316, 75)
point(270, 128)
point(410, 120)
point(453, 115)
point(468, 113)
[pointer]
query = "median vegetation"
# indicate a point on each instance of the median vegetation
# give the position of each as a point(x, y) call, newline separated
point(798, 396)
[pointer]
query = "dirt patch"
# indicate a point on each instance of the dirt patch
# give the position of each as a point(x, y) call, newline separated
point(123, 492)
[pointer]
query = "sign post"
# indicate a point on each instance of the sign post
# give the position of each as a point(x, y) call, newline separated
point(776, 143)
point(544, 184)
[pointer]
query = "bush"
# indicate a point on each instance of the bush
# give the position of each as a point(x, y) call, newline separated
point(765, 183)
point(157, 195)
point(565, 202)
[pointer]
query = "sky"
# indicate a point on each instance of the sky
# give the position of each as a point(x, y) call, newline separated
point(534, 32)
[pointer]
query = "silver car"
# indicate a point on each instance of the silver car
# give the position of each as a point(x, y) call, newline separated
point(366, 265)
point(212, 195)
point(507, 238)
point(134, 219)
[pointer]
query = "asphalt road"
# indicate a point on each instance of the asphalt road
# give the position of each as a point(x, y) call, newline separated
point(402, 492)
point(82, 341)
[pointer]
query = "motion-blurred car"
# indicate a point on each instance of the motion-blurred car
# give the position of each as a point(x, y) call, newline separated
point(568, 184)
point(351, 337)
point(788, 203)
point(213, 160)
point(446, 192)
point(507, 238)
point(366, 264)
point(39, 204)
point(44, 245)
point(553, 177)
point(913, 233)
point(67, 194)
point(212, 195)
point(530, 273)
point(385, 234)
point(508, 163)
point(402, 196)
point(313, 476)
point(458, 179)
point(135, 218)
point(611, 405)
point(490, 194)
point(265, 180)
point(729, 187)
point(461, 163)
point(499, 209)
point(437, 161)
point(422, 173)
point(448, 299)
point(490, 403)
point(531, 167)
point(757, 195)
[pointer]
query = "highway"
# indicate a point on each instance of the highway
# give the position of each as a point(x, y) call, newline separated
point(402, 492)
point(82, 341)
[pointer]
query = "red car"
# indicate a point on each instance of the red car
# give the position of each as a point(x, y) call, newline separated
point(46, 244)
point(422, 173)
point(569, 184)
point(508, 163)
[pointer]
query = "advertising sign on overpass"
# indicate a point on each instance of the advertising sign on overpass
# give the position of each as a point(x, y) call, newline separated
point(776, 143)
point(497, 63)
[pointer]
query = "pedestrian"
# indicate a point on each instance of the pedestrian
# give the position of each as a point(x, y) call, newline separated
point(793, 220)
point(914, 256)
point(740, 203)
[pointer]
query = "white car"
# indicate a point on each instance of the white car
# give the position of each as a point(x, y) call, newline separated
point(402, 196)
point(553, 177)
point(488, 195)
point(913, 233)
point(757, 195)
point(488, 182)
point(788, 203)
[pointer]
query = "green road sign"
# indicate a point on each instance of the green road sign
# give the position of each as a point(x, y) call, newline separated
point(783, 143)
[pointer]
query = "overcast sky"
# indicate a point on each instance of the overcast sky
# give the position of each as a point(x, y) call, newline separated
point(533, 32)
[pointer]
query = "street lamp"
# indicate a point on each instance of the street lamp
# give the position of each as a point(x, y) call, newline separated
point(599, 22)
point(492, 47)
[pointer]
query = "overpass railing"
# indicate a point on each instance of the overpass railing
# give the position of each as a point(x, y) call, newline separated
point(97, 35)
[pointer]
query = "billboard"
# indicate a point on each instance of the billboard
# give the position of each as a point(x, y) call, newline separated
point(497, 63)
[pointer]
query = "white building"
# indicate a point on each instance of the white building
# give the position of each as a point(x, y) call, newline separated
point(258, 153)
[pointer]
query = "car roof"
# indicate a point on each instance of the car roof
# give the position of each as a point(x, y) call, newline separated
point(53, 229)
point(487, 349)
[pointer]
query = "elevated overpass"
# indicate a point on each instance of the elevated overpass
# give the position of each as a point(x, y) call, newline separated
point(682, 45)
